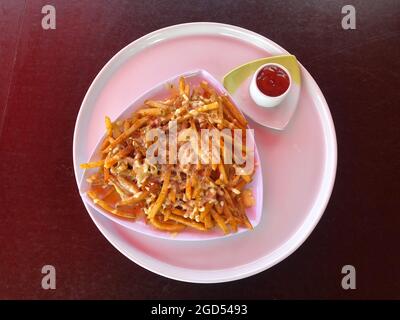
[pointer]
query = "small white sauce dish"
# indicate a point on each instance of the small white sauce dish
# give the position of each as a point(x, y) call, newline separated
point(262, 99)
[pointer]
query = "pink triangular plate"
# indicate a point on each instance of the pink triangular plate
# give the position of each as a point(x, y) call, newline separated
point(160, 91)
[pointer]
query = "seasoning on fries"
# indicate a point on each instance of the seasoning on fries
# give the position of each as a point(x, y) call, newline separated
point(173, 196)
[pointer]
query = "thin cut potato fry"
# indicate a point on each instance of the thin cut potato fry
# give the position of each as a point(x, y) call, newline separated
point(241, 184)
point(163, 193)
point(105, 143)
point(230, 218)
point(221, 168)
point(138, 197)
point(218, 208)
point(188, 188)
point(126, 125)
point(110, 209)
point(116, 131)
point(150, 112)
point(118, 188)
point(167, 226)
point(243, 216)
point(206, 212)
point(181, 86)
point(166, 214)
point(156, 104)
point(90, 165)
point(109, 126)
point(208, 107)
point(228, 198)
point(131, 187)
point(187, 90)
point(136, 125)
point(220, 222)
point(208, 223)
point(234, 111)
point(187, 222)
point(178, 212)
point(173, 196)
point(124, 152)
point(106, 173)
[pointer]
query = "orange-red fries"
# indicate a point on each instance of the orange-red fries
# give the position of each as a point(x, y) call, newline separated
point(172, 197)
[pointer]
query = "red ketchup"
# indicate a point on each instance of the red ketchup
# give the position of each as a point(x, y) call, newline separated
point(272, 81)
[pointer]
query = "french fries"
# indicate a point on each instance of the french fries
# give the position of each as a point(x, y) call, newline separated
point(166, 225)
point(220, 221)
point(161, 197)
point(151, 112)
point(109, 126)
point(173, 197)
point(90, 165)
point(156, 104)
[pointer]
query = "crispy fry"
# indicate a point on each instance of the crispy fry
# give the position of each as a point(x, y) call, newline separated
point(220, 110)
point(230, 218)
point(127, 185)
point(187, 90)
point(109, 126)
point(234, 111)
point(138, 197)
point(136, 125)
point(166, 213)
point(206, 212)
point(116, 131)
point(122, 193)
point(106, 173)
point(246, 178)
point(181, 86)
point(207, 107)
point(224, 177)
point(219, 208)
point(90, 165)
point(122, 153)
point(241, 184)
point(126, 125)
point(166, 226)
point(172, 195)
point(187, 222)
point(242, 212)
point(105, 144)
point(150, 112)
point(178, 212)
point(104, 205)
point(220, 222)
point(156, 104)
point(188, 187)
point(208, 223)
point(161, 197)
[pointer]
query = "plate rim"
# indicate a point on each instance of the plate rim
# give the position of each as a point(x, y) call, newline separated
point(329, 173)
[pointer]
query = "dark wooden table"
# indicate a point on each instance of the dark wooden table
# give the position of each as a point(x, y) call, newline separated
point(45, 74)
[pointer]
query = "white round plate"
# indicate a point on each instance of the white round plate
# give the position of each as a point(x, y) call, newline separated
point(298, 164)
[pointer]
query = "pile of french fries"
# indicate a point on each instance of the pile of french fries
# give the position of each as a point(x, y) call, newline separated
point(172, 197)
